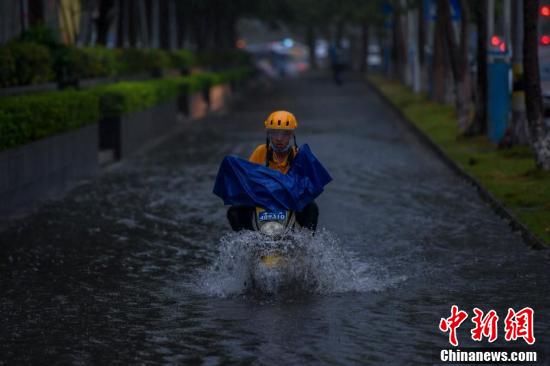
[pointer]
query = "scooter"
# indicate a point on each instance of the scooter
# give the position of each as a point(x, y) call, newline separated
point(275, 227)
point(274, 259)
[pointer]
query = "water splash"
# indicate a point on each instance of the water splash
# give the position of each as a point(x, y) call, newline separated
point(315, 264)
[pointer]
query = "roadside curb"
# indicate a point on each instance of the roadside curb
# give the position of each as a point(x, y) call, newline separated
point(531, 239)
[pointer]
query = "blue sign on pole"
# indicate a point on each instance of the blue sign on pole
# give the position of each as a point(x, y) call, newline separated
point(499, 99)
point(430, 10)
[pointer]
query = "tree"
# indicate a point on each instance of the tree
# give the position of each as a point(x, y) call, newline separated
point(538, 131)
point(478, 125)
point(458, 57)
point(399, 49)
point(516, 133)
point(439, 62)
point(104, 20)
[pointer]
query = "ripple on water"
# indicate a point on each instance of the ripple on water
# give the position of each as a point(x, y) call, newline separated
point(319, 264)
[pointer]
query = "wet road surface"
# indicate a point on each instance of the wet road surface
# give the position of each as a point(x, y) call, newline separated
point(136, 266)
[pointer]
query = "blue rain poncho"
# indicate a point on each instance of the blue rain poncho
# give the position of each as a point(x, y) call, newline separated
point(243, 183)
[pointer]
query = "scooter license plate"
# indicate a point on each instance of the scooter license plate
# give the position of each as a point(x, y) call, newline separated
point(272, 216)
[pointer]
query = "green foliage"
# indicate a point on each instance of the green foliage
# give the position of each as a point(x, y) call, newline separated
point(183, 60)
point(217, 60)
point(31, 117)
point(509, 175)
point(99, 62)
point(33, 63)
point(69, 64)
point(126, 97)
point(7, 70)
point(236, 74)
point(136, 61)
point(40, 34)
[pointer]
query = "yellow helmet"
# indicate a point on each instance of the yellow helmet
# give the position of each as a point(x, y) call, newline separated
point(281, 120)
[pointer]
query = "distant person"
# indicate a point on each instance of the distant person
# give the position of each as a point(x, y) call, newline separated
point(336, 55)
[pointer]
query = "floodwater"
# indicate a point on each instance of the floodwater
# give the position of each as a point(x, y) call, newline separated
point(139, 266)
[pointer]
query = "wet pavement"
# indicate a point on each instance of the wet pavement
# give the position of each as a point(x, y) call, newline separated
point(139, 267)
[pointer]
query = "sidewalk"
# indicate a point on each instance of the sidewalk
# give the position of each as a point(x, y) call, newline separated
point(506, 178)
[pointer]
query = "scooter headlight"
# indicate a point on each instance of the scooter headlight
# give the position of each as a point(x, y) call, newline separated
point(272, 228)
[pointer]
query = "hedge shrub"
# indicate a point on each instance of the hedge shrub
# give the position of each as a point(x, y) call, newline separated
point(7, 68)
point(100, 62)
point(137, 61)
point(40, 34)
point(126, 97)
point(31, 117)
point(69, 64)
point(219, 60)
point(33, 63)
point(184, 60)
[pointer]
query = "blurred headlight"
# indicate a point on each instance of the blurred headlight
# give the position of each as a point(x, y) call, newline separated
point(272, 228)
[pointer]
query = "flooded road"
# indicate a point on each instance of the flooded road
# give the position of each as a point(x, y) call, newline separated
point(137, 266)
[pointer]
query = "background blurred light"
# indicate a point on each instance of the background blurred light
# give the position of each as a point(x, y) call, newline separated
point(287, 42)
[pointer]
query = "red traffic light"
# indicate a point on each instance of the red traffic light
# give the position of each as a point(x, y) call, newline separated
point(495, 41)
point(545, 10)
point(545, 40)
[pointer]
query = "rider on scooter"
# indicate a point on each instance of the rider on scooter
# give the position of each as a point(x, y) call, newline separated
point(277, 153)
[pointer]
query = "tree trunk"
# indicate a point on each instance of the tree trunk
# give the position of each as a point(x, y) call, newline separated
point(164, 24)
point(143, 24)
point(104, 20)
point(36, 12)
point(155, 28)
point(231, 31)
point(421, 33)
point(516, 133)
point(119, 6)
point(478, 125)
point(173, 25)
point(539, 133)
point(310, 39)
point(363, 66)
point(181, 10)
point(399, 48)
point(458, 56)
point(439, 63)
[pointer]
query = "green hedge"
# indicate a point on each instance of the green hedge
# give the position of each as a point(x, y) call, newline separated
point(38, 57)
point(100, 62)
point(126, 97)
point(184, 60)
point(220, 60)
point(30, 63)
point(31, 117)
